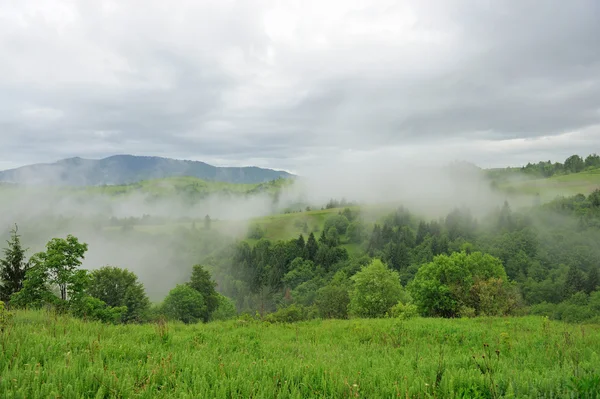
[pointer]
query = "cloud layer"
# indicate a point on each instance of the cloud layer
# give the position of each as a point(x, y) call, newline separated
point(297, 83)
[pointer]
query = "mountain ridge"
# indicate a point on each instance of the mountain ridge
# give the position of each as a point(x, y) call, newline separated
point(127, 169)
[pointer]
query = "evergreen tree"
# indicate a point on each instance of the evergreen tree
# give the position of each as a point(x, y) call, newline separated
point(574, 281)
point(311, 247)
point(13, 267)
point(593, 280)
point(323, 238)
point(301, 243)
point(202, 282)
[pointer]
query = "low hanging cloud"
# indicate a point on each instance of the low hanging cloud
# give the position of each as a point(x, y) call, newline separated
point(293, 85)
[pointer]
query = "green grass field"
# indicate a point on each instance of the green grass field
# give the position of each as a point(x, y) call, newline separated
point(562, 185)
point(46, 356)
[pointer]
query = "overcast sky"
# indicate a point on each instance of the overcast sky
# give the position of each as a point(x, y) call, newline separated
point(286, 84)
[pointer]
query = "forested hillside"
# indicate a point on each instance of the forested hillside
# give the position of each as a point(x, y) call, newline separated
point(166, 275)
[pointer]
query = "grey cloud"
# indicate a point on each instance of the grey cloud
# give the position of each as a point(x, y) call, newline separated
point(206, 81)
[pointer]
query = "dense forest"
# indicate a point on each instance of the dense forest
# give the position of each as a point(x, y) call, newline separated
point(540, 260)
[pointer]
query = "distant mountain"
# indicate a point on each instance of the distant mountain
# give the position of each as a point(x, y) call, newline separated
point(125, 169)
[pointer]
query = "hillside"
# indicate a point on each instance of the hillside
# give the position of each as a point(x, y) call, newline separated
point(125, 169)
point(514, 182)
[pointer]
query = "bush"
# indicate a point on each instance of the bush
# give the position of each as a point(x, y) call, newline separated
point(91, 308)
point(291, 314)
point(120, 287)
point(404, 311)
point(225, 309)
point(339, 222)
point(255, 232)
point(185, 304)
point(376, 290)
point(332, 301)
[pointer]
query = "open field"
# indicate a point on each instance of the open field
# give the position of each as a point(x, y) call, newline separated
point(549, 188)
point(51, 357)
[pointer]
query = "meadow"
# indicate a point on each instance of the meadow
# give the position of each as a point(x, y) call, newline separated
point(50, 356)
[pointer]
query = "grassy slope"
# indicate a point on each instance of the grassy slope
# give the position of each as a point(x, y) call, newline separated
point(166, 186)
point(49, 357)
point(584, 182)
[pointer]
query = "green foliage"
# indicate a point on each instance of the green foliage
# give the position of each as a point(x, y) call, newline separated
point(5, 318)
point(60, 261)
point(290, 314)
point(404, 311)
point(57, 267)
point(357, 232)
point(120, 287)
point(90, 308)
point(339, 222)
point(12, 267)
point(185, 304)
point(449, 283)
point(300, 271)
point(376, 289)
point(255, 232)
point(312, 247)
point(332, 300)
point(225, 309)
point(202, 282)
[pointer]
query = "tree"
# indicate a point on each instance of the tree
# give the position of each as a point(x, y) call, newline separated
point(574, 281)
point(593, 281)
point(207, 222)
point(225, 309)
point(356, 232)
point(376, 290)
point(300, 271)
point(119, 287)
point(332, 300)
point(61, 259)
point(57, 267)
point(300, 242)
point(185, 304)
point(202, 282)
point(339, 222)
point(12, 267)
point(444, 287)
point(592, 161)
point(574, 164)
point(311, 247)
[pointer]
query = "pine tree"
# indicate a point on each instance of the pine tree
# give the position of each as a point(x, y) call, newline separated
point(13, 267)
point(593, 280)
point(574, 281)
point(311, 247)
point(202, 282)
point(300, 242)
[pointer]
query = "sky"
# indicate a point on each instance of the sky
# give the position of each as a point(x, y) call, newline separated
point(296, 84)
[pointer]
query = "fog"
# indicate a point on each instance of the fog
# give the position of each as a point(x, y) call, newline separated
point(161, 258)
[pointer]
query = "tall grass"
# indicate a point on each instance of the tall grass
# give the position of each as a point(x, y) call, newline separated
point(46, 356)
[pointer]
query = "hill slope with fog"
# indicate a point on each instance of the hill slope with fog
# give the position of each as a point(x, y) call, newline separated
point(126, 169)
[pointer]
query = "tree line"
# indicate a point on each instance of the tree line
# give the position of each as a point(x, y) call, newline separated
point(542, 260)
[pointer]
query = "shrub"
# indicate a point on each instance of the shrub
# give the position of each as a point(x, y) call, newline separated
point(185, 304)
point(332, 301)
point(291, 314)
point(376, 290)
point(255, 232)
point(339, 222)
point(91, 308)
point(120, 287)
point(225, 309)
point(404, 311)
